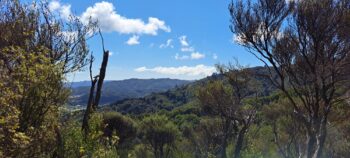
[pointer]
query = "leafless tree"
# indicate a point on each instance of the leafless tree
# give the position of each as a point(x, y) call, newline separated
point(95, 92)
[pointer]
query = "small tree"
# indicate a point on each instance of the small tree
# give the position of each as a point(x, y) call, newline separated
point(205, 137)
point(124, 127)
point(285, 130)
point(160, 133)
point(224, 99)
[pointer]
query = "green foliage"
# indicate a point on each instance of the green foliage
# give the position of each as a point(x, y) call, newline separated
point(37, 90)
point(123, 127)
point(155, 102)
point(141, 151)
point(160, 134)
point(206, 137)
point(34, 56)
point(11, 141)
point(93, 145)
point(199, 119)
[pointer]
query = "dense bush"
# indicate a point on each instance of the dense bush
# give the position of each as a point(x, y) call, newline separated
point(160, 134)
point(123, 127)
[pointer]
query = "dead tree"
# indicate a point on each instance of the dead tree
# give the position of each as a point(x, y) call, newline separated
point(94, 98)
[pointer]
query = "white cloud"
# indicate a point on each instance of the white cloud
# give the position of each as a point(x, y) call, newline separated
point(134, 40)
point(198, 70)
point(184, 57)
point(197, 55)
point(183, 41)
point(141, 69)
point(69, 36)
point(63, 10)
point(54, 5)
point(109, 20)
point(167, 44)
point(193, 56)
point(215, 56)
point(187, 49)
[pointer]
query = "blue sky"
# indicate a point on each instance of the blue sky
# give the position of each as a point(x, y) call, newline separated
point(180, 39)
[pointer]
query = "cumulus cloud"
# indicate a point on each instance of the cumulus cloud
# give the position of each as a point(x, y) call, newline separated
point(134, 40)
point(197, 55)
point(110, 21)
point(198, 70)
point(64, 10)
point(167, 44)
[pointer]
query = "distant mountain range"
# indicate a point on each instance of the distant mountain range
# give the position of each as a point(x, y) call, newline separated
point(113, 91)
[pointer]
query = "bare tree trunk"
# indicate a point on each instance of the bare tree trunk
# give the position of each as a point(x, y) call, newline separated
point(321, 138)
point(310, 144)
point(101, 79)
point(227, 131)
point(239, 142)
point(316, 136)
point(59, 153)
point(89, 109)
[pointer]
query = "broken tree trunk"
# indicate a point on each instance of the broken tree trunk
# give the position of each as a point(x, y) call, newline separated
point(101, 79)
point(95, 99)
point(89, 109)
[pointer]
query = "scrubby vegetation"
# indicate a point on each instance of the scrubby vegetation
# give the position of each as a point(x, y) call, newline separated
point(295, 106)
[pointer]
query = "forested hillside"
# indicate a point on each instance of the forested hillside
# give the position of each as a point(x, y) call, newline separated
point(181, 95)
point(117, 90)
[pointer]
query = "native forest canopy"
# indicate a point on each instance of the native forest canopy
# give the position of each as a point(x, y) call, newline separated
point(295, 105)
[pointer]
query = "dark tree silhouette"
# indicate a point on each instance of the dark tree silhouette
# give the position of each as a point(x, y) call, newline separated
point(306, 44)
